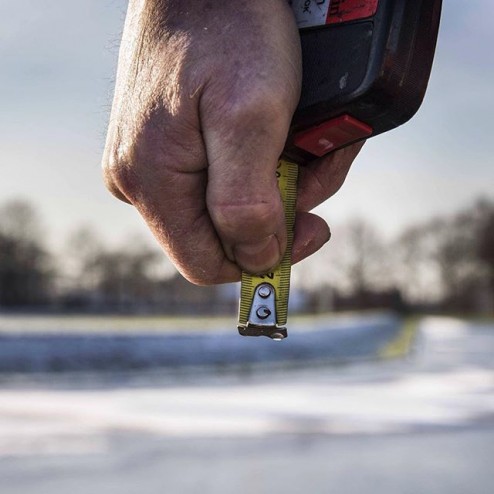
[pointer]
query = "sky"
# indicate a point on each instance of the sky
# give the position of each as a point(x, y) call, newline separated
point(57, 66)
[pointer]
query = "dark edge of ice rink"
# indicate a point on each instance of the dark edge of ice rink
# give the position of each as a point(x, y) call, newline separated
point(332, 340)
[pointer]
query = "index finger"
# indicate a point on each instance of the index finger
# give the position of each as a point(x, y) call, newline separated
point(323, 178)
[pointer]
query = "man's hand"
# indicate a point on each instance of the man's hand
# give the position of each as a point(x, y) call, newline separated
point(204, 98)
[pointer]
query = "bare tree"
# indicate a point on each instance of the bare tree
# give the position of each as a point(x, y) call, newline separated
point(445, 261)
point(26, 272)
point(416, 270)
point(485, 251)
point(19, 221)
point(125, 277)
point(365, 258)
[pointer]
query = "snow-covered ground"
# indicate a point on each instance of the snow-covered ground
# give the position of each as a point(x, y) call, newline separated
point(424, 424)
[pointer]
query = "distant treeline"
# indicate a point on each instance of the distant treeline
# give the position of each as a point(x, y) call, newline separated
point(444, 264)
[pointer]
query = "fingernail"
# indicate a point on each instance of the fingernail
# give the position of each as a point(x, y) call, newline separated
point(258, 257)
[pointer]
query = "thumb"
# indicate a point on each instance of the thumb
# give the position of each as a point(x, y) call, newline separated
point(243, 199)
point(245, 113)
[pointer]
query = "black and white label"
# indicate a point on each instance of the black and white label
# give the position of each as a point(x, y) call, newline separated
point(310, 13)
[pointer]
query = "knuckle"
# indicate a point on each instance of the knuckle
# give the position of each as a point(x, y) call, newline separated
point(133, 159)
point(200, 279)
point(112, 187)
point(118, 175)
point(259, 105)
point(202, 273)
point(251, 101)
point(243, 221)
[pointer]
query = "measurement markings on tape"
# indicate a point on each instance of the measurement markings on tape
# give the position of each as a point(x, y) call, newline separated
point(264, 299)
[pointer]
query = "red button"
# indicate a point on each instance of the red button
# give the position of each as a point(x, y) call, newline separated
point(350, 10)
point(332, 134)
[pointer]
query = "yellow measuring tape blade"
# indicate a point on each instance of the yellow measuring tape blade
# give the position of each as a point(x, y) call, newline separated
point(279, 277)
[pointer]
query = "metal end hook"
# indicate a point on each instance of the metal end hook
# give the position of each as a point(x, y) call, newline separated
point(262, 316)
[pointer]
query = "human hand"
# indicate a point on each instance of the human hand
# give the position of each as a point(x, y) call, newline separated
point(204, 97)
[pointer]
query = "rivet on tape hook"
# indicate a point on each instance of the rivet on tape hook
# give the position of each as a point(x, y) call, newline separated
point(262, 315)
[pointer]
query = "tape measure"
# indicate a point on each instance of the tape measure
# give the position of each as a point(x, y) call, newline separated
point(365, 71)
point(263, 307)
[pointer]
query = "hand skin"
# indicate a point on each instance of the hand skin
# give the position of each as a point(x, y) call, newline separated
point(205, 93)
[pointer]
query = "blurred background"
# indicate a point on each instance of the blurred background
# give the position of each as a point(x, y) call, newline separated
point(412, 227)
point(412, 237)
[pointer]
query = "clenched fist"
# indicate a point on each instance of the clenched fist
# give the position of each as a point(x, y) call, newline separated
point(205, 93)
